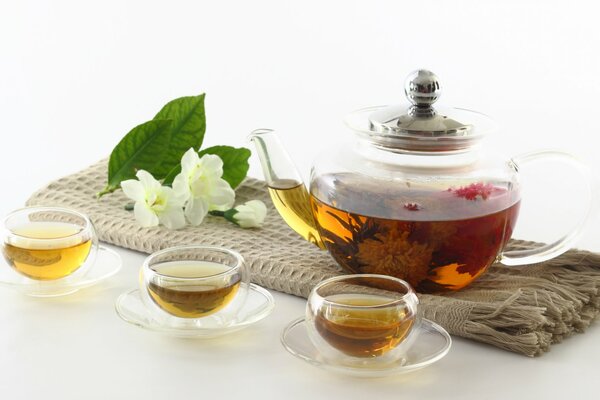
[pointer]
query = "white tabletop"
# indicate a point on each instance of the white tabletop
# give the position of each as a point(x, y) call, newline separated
point(75, 77)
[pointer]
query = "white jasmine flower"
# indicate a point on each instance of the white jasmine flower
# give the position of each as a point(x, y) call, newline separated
point(201, 183)
point(154, 203)
point(248, 215)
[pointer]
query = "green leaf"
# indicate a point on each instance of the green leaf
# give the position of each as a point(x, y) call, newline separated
point(189, 126)
point(235, 164)
point(141, 148)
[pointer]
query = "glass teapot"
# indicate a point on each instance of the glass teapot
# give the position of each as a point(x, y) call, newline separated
point(411, 197)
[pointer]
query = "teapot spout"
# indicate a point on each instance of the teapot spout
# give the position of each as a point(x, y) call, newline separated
point(288, 193)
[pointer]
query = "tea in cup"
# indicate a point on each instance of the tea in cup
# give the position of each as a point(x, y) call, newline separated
point(185, 284)
point(48, 243)
point(362, 319)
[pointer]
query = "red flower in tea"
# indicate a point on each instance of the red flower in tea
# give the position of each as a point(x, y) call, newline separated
point(412, 206)
point(474, 191)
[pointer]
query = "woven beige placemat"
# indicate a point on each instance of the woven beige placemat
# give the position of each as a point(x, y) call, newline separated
point(521, 309)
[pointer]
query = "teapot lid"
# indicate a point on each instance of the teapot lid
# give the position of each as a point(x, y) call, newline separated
point(419, 126)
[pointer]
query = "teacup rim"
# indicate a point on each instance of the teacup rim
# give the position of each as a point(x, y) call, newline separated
point(410, 292)
point(239, 259)
point(9, 232)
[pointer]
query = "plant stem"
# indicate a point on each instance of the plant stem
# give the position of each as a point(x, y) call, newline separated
point(104, 191)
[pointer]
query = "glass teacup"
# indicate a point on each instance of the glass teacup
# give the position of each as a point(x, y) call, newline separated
point(363, 320)
point(48, 243)
point(192, 286)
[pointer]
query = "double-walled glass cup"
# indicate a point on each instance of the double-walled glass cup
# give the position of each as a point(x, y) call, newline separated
point(48, 245)
point(362, 320)
point(194, 286)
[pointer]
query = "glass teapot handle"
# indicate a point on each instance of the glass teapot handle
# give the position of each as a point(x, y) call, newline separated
point(548, 251)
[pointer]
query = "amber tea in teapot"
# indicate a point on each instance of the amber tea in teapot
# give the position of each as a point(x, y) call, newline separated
point(434, 240)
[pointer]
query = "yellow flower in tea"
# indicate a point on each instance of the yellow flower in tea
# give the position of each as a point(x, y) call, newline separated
point(393, 254)
point(201, 183)
point(154, 203)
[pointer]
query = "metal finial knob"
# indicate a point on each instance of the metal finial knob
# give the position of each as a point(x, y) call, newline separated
point(422, 88)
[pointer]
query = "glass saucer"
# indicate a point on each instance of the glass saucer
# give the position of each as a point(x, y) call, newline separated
point(258, 305)
point(107, 263)
point(431, 345)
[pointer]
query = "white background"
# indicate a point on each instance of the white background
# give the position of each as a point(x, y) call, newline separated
point(75, 76)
